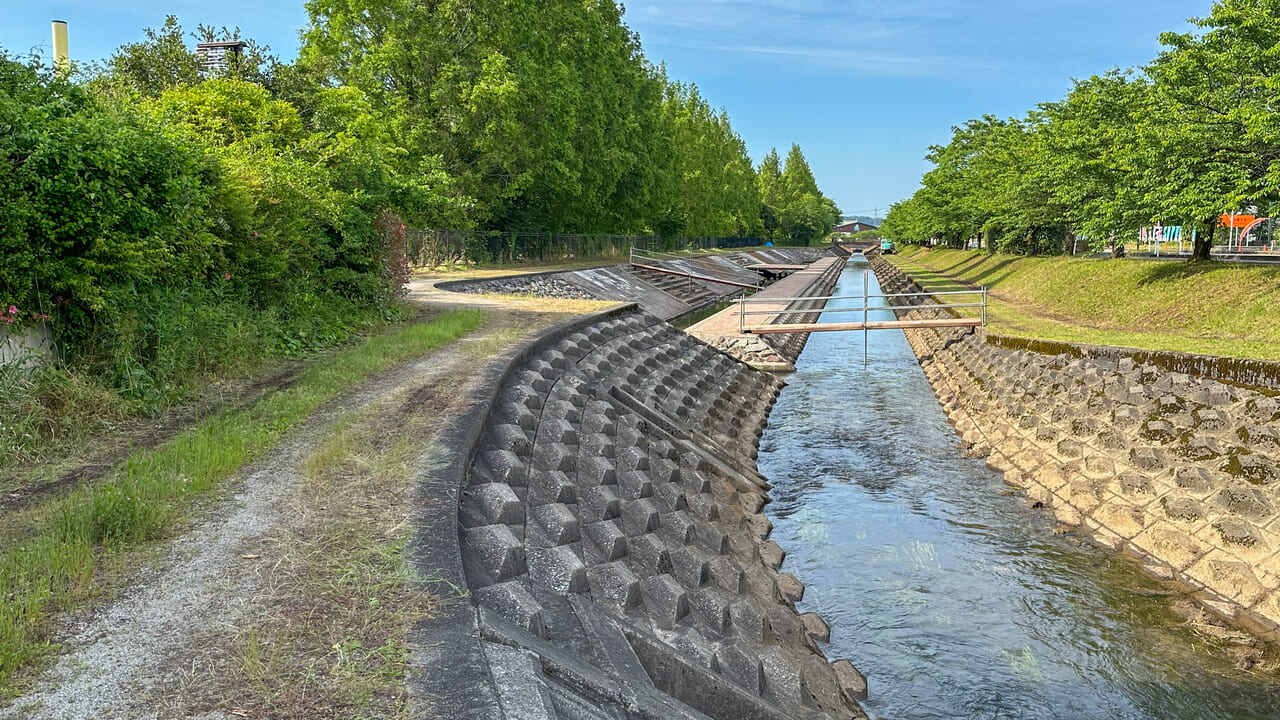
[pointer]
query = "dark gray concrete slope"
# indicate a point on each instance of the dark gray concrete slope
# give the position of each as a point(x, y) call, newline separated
point(663, 295)
point(610, 557)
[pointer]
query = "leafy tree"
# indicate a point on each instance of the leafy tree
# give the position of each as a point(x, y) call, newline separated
point(1211, 141)
point(1192, 136)
point(769, 180)
point(547, 114)
point(717, 188)
point(307, 190)
point(1090, 157)
point(804, 213)
point(163, 61)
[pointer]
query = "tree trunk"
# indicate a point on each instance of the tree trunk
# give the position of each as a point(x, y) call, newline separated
point(1204, 241)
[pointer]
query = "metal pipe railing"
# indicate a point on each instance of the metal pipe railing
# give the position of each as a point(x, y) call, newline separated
point(885, 308)
point(865, 308)
point(859, 297)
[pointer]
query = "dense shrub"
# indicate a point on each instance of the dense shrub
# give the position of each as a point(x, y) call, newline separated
point(194, 233)
point(94, 200)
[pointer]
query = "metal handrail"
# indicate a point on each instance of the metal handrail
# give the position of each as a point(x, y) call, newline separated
point(859, 297)
point(865, 308)
point(659, 252)
point(860, 308)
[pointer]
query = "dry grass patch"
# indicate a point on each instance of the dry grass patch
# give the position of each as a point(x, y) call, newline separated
point(325, 639)
point(558, 306)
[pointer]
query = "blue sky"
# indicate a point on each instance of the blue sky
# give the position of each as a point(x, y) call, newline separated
point(864, 87)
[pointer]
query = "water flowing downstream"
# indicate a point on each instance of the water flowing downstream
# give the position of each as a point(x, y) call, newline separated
point(954, 598)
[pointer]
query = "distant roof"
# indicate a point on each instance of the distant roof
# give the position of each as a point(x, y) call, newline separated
point(855, 226)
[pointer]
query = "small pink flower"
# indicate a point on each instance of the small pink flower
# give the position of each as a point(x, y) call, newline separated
point(255, 233)
point(58, 299)
point(13, 310)
point(226, 276)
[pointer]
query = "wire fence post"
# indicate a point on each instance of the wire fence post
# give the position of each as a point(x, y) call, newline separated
point(742, 309)
point(984, 306)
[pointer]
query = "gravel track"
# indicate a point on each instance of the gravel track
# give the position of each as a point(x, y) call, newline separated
point(126, 660)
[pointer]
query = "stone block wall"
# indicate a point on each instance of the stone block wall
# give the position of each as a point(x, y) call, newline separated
point(614, 547)
point(1181, 472)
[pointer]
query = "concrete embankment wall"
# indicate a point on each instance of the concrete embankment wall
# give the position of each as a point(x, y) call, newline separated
point(622, 283)
point(596, 524)
point(776, 352)
point(1181, 472)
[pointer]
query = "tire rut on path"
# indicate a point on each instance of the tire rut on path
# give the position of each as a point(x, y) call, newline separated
point(120, 660)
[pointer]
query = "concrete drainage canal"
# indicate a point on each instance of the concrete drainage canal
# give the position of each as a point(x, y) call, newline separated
point(629, 524)
point(952, 596)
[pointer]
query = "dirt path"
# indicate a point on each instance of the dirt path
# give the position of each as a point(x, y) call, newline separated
point(127, 660)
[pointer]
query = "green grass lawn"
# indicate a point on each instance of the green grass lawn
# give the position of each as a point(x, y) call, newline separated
point(1213, 308)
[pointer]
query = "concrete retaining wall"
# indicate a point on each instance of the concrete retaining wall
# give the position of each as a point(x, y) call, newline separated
point(596, 524)
point(773, 352)
point(1262, 374)
point(619, 282)
point(1181, 472)
point(26, 347)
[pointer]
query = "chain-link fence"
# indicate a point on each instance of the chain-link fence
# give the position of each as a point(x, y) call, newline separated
point(432, 248)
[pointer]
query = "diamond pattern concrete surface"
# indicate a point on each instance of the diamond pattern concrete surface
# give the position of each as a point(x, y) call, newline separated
point(611, 470)
point(1182, 471)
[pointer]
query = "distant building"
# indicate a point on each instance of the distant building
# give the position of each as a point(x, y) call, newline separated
point(216, 56)
point(856, 226)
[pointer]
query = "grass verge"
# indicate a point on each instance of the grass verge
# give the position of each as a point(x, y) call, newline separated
point(53, 550)
point(325, 637)
point(1212, 308)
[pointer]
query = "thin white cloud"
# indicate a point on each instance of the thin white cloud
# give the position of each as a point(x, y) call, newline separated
point(855, 61)
point(864, 37)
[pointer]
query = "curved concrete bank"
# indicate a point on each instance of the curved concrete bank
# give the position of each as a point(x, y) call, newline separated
point(595, 524)
point(662, 295)
point(778, 352)
point(1179, 471)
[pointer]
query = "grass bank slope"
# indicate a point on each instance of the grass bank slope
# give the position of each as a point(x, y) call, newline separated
point(1213, 308)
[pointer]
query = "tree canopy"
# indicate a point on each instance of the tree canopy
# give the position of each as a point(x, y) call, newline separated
point(1189, 137)
point(152, 183)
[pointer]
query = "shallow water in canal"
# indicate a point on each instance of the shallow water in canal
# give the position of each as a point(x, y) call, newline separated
point(954, 598)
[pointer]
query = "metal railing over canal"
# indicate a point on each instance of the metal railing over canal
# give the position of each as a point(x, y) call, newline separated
point(783, 306)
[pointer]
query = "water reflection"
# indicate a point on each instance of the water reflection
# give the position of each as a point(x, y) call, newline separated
point(955, 599)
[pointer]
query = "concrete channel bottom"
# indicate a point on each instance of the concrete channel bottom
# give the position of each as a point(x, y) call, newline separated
point(1179, 471)
point(773, 352)
point(612, 557)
